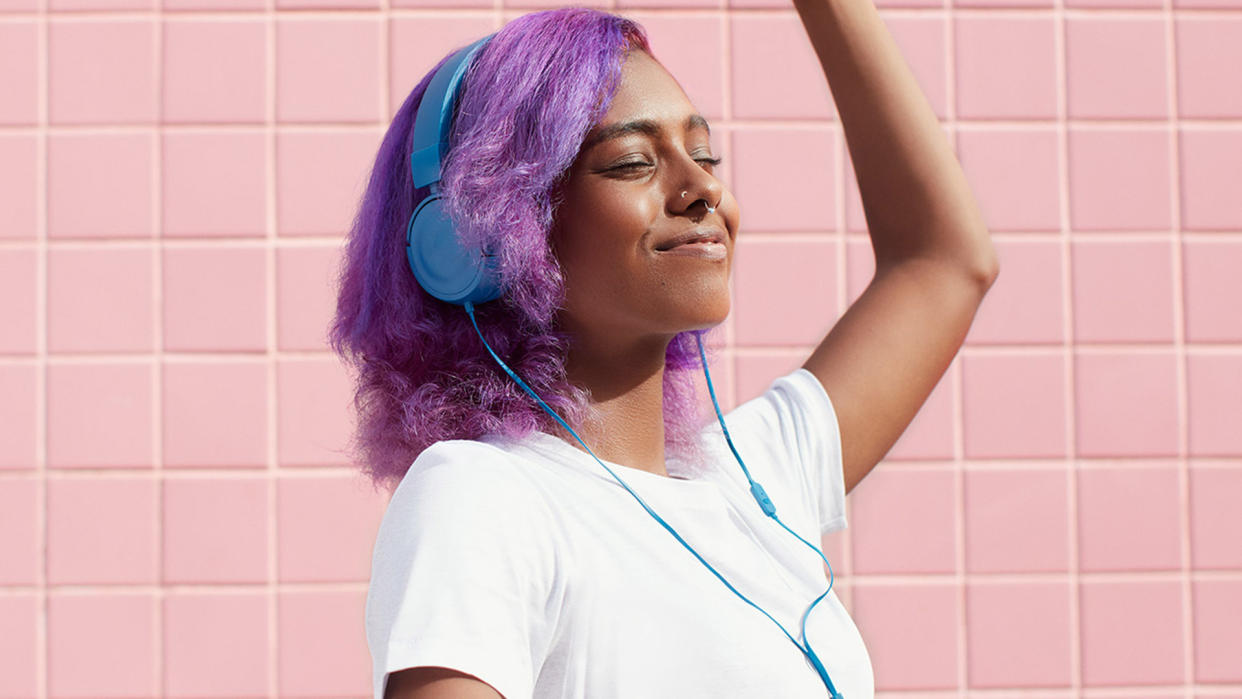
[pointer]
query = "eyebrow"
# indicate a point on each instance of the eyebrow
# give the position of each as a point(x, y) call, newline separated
point(644, 126)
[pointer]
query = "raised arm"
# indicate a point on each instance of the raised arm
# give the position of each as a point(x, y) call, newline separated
point(934, 258)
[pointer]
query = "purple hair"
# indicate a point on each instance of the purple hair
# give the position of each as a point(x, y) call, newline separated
point(422, 375)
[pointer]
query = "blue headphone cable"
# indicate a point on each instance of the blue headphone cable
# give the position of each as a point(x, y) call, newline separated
point(756, 490)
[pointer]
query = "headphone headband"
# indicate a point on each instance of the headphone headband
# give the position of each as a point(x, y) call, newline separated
point(435, 115)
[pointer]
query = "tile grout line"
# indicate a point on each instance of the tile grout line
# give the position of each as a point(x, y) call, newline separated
point(1179, 348)
point(157, 370)
point(957, 380)
point(270, 356)
point(1061, 57)
point(43, 605)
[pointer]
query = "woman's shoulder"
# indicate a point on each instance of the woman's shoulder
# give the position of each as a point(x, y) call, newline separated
point(465, 474)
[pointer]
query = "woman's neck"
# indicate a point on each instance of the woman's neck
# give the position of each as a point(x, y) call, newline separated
point(627, 395)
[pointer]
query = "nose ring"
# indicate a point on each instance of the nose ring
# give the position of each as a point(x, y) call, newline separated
point(710, 209)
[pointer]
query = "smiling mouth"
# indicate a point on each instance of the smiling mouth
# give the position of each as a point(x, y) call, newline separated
point(698, 237)
point(706, 248)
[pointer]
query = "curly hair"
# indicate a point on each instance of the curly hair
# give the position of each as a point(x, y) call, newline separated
point(422, 376)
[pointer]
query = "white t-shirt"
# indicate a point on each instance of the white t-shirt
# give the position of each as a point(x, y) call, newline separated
point(530, 567)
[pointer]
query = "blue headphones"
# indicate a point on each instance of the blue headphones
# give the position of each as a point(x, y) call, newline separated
point(450, 272)
point(441, 264)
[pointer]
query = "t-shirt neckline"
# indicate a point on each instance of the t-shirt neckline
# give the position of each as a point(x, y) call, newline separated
point(580, 459)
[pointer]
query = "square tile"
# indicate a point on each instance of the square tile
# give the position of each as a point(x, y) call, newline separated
point(328, 70)
point(101, 644)
point(99, 415)
point(102, 71)
point(219, 5)
point(1013, 406)
point(776, 74)
point(1015, 175)
point(215, 414)
point(321, 177)
point(18, 284)
point(315, 548)
point(101, 531)
point(770, 278)
point(1116, 68)
point(1003, 3)
point(911, 633)
point(859, 266)
point(658, 4)
point(922, 540)
point(323, 649)
point(215, 530)
point(19, 617)
point(1205, 4)
point(1128, 519)
point(96, 5)
point(19, 6)
point(451, 4)
point(1214, 394)
point(327, 4)
point(203, 84)
point(1006, 67)
point(17, 414)
point(1126, 404)
point(19, 155)
point(1119, 180)
point(21, 502)
point(1212, 285)
point(1215, 518)
point(689, 47)
point(215, 299)
point(19, 72)
point(1017, 521)
point(1211, 167)
point(215, 644)
point(1217, 608)
point(1120, 647)
point(929, 436)
point(806, 157)
point(1026, 304)
point(1018, 635)
point(100, 300)
point(1115, 4)
point(1123, 291)
point(306, 291)
point(214, 184)
point(315, 409)
point(755, 372)
point(417, 44)
point(100, 185)
point(1207, 48)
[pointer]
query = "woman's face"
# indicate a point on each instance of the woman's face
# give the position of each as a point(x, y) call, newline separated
point(623, 206)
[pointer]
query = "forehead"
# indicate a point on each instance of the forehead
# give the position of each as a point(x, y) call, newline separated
point(647, 100)
point(648, 91)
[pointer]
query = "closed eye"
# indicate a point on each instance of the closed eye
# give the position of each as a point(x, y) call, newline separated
point(714, 162)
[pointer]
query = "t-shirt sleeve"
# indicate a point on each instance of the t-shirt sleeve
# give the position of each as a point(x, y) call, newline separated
point(462, 571)
point(795, 417)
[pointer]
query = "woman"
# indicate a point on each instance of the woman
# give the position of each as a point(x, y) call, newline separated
point(509, 563)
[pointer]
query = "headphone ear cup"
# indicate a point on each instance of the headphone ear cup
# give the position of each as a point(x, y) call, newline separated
point(444, 267)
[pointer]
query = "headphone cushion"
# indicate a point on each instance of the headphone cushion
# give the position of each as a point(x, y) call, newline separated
point(441, 264)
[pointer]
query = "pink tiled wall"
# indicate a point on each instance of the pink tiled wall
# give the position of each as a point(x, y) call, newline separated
point(177, 517)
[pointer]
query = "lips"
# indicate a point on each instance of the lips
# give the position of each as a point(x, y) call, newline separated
point(693, 237)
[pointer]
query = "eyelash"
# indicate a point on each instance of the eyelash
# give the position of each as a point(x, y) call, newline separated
point(710, 161)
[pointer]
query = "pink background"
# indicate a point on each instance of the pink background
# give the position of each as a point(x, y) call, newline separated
point(1062, 519)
